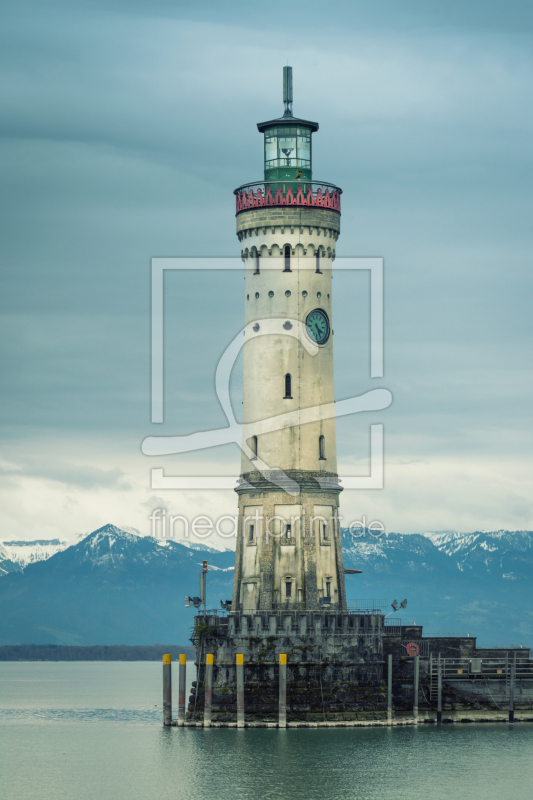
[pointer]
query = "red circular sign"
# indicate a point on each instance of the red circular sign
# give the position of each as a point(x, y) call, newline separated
point(412, 649)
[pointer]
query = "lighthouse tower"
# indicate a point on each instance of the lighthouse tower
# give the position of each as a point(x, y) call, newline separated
point(289, 553)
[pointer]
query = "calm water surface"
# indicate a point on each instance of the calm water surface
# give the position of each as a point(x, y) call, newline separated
point(93, 730)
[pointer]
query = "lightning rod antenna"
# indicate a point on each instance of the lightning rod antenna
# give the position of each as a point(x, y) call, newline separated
point(287, 91)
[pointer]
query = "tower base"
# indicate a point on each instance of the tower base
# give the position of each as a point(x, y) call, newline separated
point(334, 665)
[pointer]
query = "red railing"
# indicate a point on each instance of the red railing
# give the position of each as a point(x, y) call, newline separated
point(276, 193)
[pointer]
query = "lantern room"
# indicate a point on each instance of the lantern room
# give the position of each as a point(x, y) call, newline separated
point(288, 152)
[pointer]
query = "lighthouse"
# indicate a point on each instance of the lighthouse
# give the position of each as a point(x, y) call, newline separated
point(288, 618)
point(289, 553)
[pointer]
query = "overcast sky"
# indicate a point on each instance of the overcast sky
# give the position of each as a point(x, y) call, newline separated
point(125, 129)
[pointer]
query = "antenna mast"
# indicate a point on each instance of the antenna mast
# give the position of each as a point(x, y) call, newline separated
point(287, 91)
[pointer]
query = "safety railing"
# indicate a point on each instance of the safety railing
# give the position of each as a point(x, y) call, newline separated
point(288, 193)
point(367, 605)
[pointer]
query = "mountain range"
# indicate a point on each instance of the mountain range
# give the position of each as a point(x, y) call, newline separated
point(114, 586)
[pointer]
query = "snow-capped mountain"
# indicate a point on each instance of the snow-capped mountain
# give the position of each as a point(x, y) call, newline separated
point(508, 554)
point(478, 583)
point(114, 586)
point(15, 555)
point(110, 587)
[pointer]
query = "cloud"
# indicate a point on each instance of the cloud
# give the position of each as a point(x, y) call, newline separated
point(82, 476)
point(126, 128)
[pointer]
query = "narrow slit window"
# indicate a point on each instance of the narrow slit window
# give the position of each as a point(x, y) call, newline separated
point(321, 448)
point(256, 264)
point(288, 387)
point(288, 530)
point(325, 531)
point(251, 533)
point(318, 262)
point(253, 446)
point(287, 258)
point(288, 589)
point(328, 589)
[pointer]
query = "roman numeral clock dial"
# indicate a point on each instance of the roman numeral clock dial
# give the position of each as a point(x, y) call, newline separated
point(317, 325)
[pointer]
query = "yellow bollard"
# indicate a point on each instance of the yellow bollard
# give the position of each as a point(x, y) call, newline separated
point(208, 703)
point(282, 721)
point(167, 690)
point(240, 690)
point(181, 688)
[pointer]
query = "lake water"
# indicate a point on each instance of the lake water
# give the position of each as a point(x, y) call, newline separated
point(93, 731)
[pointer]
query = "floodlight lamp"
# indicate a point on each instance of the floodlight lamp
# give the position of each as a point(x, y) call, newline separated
point(395, 605)
point(403, 604)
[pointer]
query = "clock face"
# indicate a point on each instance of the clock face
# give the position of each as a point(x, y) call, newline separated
point(317, 325)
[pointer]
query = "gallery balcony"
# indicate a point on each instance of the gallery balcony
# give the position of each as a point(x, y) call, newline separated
point(288, 193)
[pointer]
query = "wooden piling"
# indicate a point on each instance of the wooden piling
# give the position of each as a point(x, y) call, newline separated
point(389, 688)
point(182, 685)
point(511, 690)
point(208, 690)
point(167, 690)
point(240, 690)
point(282, 721)
point(415, 687)
point(439, 693)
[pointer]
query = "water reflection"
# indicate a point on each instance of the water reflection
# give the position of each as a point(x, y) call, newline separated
point(366, 764)
point(93, 731)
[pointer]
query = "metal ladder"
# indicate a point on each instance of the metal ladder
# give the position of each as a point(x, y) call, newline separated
point(433, 678)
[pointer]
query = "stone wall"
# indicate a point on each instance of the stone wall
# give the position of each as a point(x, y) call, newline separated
point(337, 668)
point(265, 561)
point(334, 665)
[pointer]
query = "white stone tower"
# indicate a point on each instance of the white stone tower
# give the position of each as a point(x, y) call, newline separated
point(289, 552)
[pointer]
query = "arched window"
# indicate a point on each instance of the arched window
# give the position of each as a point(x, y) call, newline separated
point(253, 447)
point(321, 448)
point(287, 252)
point(318, 262)
point(288, 387)
point(256, 264)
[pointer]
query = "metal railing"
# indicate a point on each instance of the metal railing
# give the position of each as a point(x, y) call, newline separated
point(220, 612)
point(367, 605)
point(288, 193)
point(393, 625)
point(468, 669)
